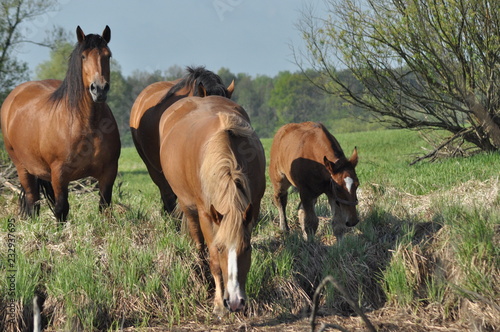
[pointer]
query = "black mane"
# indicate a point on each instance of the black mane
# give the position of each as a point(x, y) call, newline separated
point(72, 88)
point(211, 82)
point(337, 149)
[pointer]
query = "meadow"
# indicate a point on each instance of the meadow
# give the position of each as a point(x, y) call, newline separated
point(424, 257)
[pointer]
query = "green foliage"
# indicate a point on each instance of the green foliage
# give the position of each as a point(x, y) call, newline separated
point(418, 64)
point(13, 13)
point(472, 237)
point(56, 67)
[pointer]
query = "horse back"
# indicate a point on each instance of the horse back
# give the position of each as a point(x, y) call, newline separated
point(148, 98)
point(23, 98)
point(184, 131)
point(298, 150)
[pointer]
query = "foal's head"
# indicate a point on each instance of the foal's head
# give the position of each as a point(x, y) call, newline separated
point(344, 185)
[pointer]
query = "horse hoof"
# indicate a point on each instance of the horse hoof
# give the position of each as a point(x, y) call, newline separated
point(219, 311)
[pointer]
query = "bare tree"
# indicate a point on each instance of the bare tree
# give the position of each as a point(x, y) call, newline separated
point(13, 13)
point(421, 64)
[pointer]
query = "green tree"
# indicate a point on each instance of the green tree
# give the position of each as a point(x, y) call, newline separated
point(227, 77)
point(12, 14)
point(296, 100)
point(57, 66)
point(422, 64)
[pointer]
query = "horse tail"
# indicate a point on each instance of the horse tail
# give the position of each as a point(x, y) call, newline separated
point(47, 191)
point(23, 204)
point(45, 187)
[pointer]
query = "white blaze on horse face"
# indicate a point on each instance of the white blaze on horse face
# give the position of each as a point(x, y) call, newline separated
point(233, 286)
point(348, 183)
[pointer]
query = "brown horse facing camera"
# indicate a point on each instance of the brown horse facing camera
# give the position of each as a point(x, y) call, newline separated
point(215, 164)
point(148, 108)
point(308, 157)
point(56, 132)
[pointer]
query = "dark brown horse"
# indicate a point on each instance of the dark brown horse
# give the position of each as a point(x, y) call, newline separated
point(148, 108)
point(308, 157)
point(215, 165)
point(56, 132)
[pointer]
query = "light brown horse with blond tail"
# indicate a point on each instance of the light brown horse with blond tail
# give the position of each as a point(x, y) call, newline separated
point(308, 157)
point(215, 164)
point(150, 105)
point(56, 132)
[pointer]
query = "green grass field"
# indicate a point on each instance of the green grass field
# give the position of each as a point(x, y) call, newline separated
point(427, 245)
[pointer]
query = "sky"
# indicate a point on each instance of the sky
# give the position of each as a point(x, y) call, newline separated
point(246, 36)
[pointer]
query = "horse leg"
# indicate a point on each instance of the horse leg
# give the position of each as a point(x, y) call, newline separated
point(61, 206)
point(280, 200)
point(219, 308)
point(106, 182)
point(339, 227)
point(168, 197)
point(28, 201)
point(307, 217)
point(206, 226)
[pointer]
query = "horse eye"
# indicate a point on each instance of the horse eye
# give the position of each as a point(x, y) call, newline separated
point(83, 56)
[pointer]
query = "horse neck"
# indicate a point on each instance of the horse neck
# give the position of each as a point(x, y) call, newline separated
point(88, 113)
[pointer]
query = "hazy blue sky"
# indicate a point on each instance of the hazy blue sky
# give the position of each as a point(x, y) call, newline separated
point(246, 36)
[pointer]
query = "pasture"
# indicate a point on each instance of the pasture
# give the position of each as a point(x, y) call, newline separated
point(424, 257)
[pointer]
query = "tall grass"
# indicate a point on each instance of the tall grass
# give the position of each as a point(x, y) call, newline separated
point(428, 238)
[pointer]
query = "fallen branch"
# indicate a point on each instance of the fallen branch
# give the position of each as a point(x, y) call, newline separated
point(441, 146)
point(353, 304)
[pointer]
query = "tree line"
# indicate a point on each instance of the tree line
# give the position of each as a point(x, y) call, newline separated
point(270, 101)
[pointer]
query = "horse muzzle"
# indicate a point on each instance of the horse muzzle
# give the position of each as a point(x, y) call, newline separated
point(237, 305)
point(351, 222)
point(99, 92)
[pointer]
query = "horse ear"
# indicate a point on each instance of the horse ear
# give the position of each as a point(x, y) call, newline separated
point(79, 34)
point(106, 34)
point(216, 216)
point(330, 165)
point(202, 92)
point(354, 157)
point(248, 215)
point(230, 89)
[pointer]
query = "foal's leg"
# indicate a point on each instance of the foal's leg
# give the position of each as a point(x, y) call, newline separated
point(28, 202)
point(307, 216)
point(339, 227)
point(280, 200)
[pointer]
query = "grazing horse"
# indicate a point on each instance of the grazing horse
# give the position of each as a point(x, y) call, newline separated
point(148, 108)
point(215, 165)
point(308, 157)
point(56, 132)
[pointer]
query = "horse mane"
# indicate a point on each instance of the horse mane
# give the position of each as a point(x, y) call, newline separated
point(199, 75)
point(334, 144)
point(72, 89)
point(225, 185)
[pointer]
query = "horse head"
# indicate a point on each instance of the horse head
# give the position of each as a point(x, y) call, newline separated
point(344, 185)
point(234, 256)
point(95, 57)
